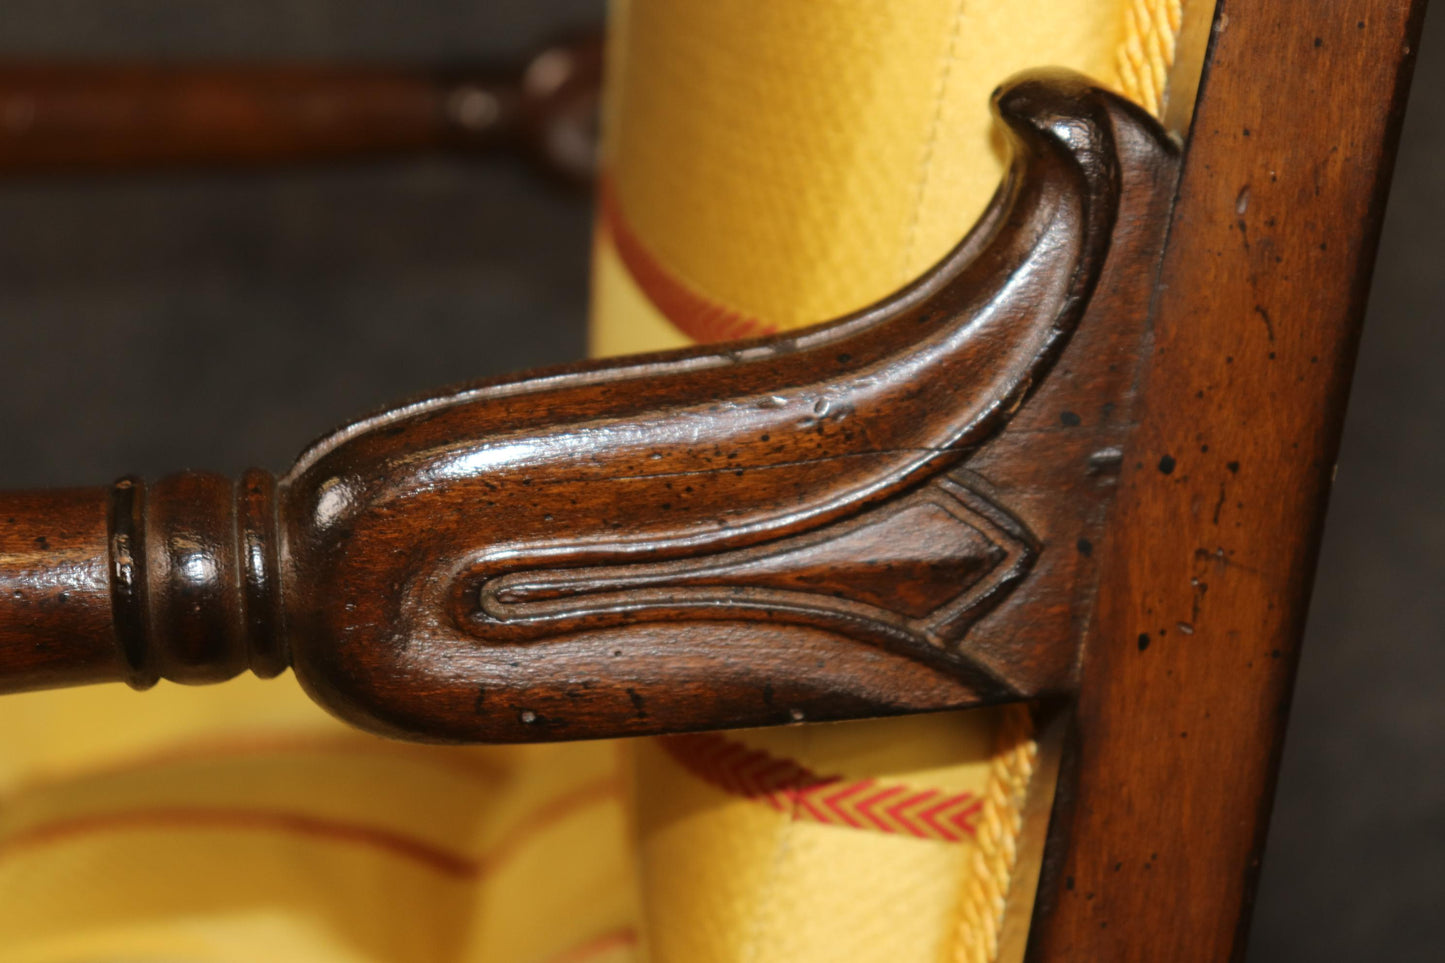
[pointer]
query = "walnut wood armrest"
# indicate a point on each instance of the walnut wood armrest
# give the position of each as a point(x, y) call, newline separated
point(70, 116)
point(892, 512)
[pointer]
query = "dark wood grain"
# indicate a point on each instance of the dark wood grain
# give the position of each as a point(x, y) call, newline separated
point(893, 512)
point(1160, 825)
point(56, 626)
point(79, 116)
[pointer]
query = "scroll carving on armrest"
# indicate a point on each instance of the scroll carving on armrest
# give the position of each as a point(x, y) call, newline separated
point(891, 512)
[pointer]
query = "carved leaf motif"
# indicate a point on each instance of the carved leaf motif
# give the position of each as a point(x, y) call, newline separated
point(922, 567)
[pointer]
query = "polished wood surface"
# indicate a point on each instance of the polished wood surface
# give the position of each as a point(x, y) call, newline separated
point(86, 116)
point(1159, 829)
point(895, 512)
point(1073, 463)
point(56, 625)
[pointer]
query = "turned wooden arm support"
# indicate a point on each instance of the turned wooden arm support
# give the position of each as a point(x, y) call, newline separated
point(136, 582)
point(108, 115)
point(893, 512)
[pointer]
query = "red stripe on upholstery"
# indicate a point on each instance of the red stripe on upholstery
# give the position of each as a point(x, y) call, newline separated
point(262, 745)
point(792, 788)
point(696, 315)
point(548, 814)
point(415, 850)
point(615, 940)
point(446, 862)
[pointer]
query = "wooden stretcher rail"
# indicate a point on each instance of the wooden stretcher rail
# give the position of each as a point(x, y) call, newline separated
point(57, 116)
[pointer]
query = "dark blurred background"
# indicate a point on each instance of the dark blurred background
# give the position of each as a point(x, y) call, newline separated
point(218, 320)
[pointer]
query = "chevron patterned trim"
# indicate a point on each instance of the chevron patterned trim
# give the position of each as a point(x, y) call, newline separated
point(791, 788)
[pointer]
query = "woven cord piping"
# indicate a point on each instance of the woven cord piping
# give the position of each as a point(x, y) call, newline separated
point(1143, 60)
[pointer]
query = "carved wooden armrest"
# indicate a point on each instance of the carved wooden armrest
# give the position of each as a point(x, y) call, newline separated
point(889, 513)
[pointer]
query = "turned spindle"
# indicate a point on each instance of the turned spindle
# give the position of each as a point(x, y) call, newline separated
point(175, 580)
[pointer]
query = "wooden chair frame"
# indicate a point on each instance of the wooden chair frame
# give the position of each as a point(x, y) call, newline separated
point(1104, 431)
